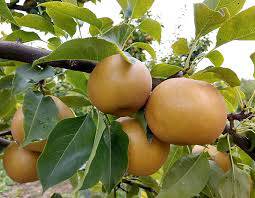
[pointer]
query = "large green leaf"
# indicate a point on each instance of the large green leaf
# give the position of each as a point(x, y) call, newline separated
point(216, 58)
point(111, 159)
point(119, 34)
point(230, 97)
point(187, 177)
point(213, 74)
point(235, 184)
point(5, 12)
point(78, 80)
point(35, 21)
point(207, 20)
point(100, 128)
point(135, 8)
point(233, 6)
point(176, 152)
point(239, 27)
point(181, 47)
point(68, 148)
point(62, 20)
point(54, 42)
point(40, 116)
point(73, 11)
point(164, 70)
point(22, 36)
point(212, 187)
point(106, 25)
point(146, 47)
point(26, 76)
point(151, 27)
point(6, 82)
point(75, 101)
point(91, 49)
point(7, 102)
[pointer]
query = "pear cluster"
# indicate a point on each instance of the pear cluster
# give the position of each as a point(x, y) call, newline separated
point(20, 162)
point(178, 111)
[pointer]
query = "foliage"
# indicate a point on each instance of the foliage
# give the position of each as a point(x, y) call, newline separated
point(91, 149)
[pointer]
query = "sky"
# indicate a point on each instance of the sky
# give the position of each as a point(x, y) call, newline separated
point(177, 18)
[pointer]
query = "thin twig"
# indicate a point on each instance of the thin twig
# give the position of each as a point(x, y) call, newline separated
point(147, 188)
point(4, 142)
point(3, 133)
point(18, 7)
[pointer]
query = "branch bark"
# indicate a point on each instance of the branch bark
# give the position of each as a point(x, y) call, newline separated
point(23, 53)
point(4, 142)
point(3, 133)
point(18, 7)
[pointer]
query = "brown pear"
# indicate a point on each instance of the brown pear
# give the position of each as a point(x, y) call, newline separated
point(144, 157)
point(186, 112)
point(20, 164)
point(118, 87)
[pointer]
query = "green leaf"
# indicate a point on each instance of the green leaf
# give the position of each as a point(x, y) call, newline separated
point(7, 102)
point(82, 49)
point(106, 25)
point(233, 6)
point(176, 153)
point(73, 11)
point(181, 47)
point(132, 191)
point(6, 82)
point(149, 181)
point(135, 8)
point(78, 80)
point(40, 116)
point(22, 36)
point(211, 188)
point(187, 177)
point(100, 128)
point(164, 70)
point(230, 97)
point(63, 21)
point(71, 1)
point(216, 58)
point(253, 61)
point(235, 184)
point(239, 27)
point(5, 12)
point(145, 46)
point(207, 20)
point(75, 101)
point(218, 73)
point(222, 144)
point(35, 21)
point(119, 34)
point(54, 42)
point(26, 76)
point(111, 159)
point(151, 27)
point(72, 141)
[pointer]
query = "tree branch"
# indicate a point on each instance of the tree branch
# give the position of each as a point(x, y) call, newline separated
point(4, 142)
point(241, 141)
point(18, 7)
point(20, 52)
point(147, 188)
point(3, 133)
